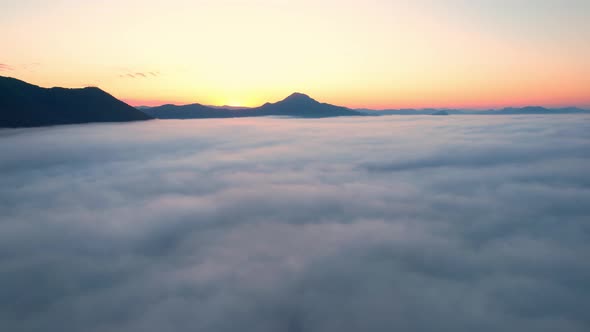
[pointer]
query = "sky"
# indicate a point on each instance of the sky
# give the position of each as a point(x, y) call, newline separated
point(369, 53)
point(380, 224)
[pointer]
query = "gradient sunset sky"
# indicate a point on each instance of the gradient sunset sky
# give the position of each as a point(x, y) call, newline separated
point(356, 53)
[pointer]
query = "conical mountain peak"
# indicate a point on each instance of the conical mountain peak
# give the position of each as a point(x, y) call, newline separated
point(299, 97)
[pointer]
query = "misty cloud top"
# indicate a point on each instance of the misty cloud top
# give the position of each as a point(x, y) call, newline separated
point(418, 223)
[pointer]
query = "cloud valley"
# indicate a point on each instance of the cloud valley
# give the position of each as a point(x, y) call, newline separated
point(346, 224)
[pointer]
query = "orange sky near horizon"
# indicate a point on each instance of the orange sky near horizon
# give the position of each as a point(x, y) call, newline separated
point(360, 54)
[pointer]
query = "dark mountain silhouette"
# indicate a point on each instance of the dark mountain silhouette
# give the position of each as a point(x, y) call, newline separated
point(301, 105)
point(296, 105)
point(143, 107)
point(228, 107)
point(441, 112)
point(191, 111)
point(26, 105)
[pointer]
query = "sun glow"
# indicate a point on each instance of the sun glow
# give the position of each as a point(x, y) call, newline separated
point(233, 104)
point(421, 54)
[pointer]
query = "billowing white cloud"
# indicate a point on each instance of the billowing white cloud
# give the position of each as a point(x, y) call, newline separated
point(461, 223)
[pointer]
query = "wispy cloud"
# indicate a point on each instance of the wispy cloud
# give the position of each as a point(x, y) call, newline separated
point(140, 74)
point(5, 67)
point(32, 66)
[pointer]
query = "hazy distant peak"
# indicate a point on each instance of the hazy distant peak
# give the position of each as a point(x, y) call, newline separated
point(527, 109)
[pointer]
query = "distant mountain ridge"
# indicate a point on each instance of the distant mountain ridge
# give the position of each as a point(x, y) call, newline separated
point(301, 105)
point(26, 105)
point(537, 110)
point(505, 111)
point(295, 105)
point(228, 107)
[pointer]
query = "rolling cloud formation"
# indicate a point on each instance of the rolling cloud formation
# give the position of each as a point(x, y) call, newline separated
point(414, 223)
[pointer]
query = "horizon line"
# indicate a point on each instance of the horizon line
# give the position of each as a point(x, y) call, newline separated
point(135, 102)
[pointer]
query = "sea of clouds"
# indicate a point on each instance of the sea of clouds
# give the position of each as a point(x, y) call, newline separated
point(460, 223)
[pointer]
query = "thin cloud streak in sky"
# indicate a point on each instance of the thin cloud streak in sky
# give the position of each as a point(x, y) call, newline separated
point(5, 67)
point(150, 74)
point(423, 223)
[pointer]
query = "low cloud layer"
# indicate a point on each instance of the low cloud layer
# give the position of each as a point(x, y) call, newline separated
point(353, 224)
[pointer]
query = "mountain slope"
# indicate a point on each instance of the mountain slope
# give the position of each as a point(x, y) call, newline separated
point(26, 105)
point(296, 105)
point(301, 105)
